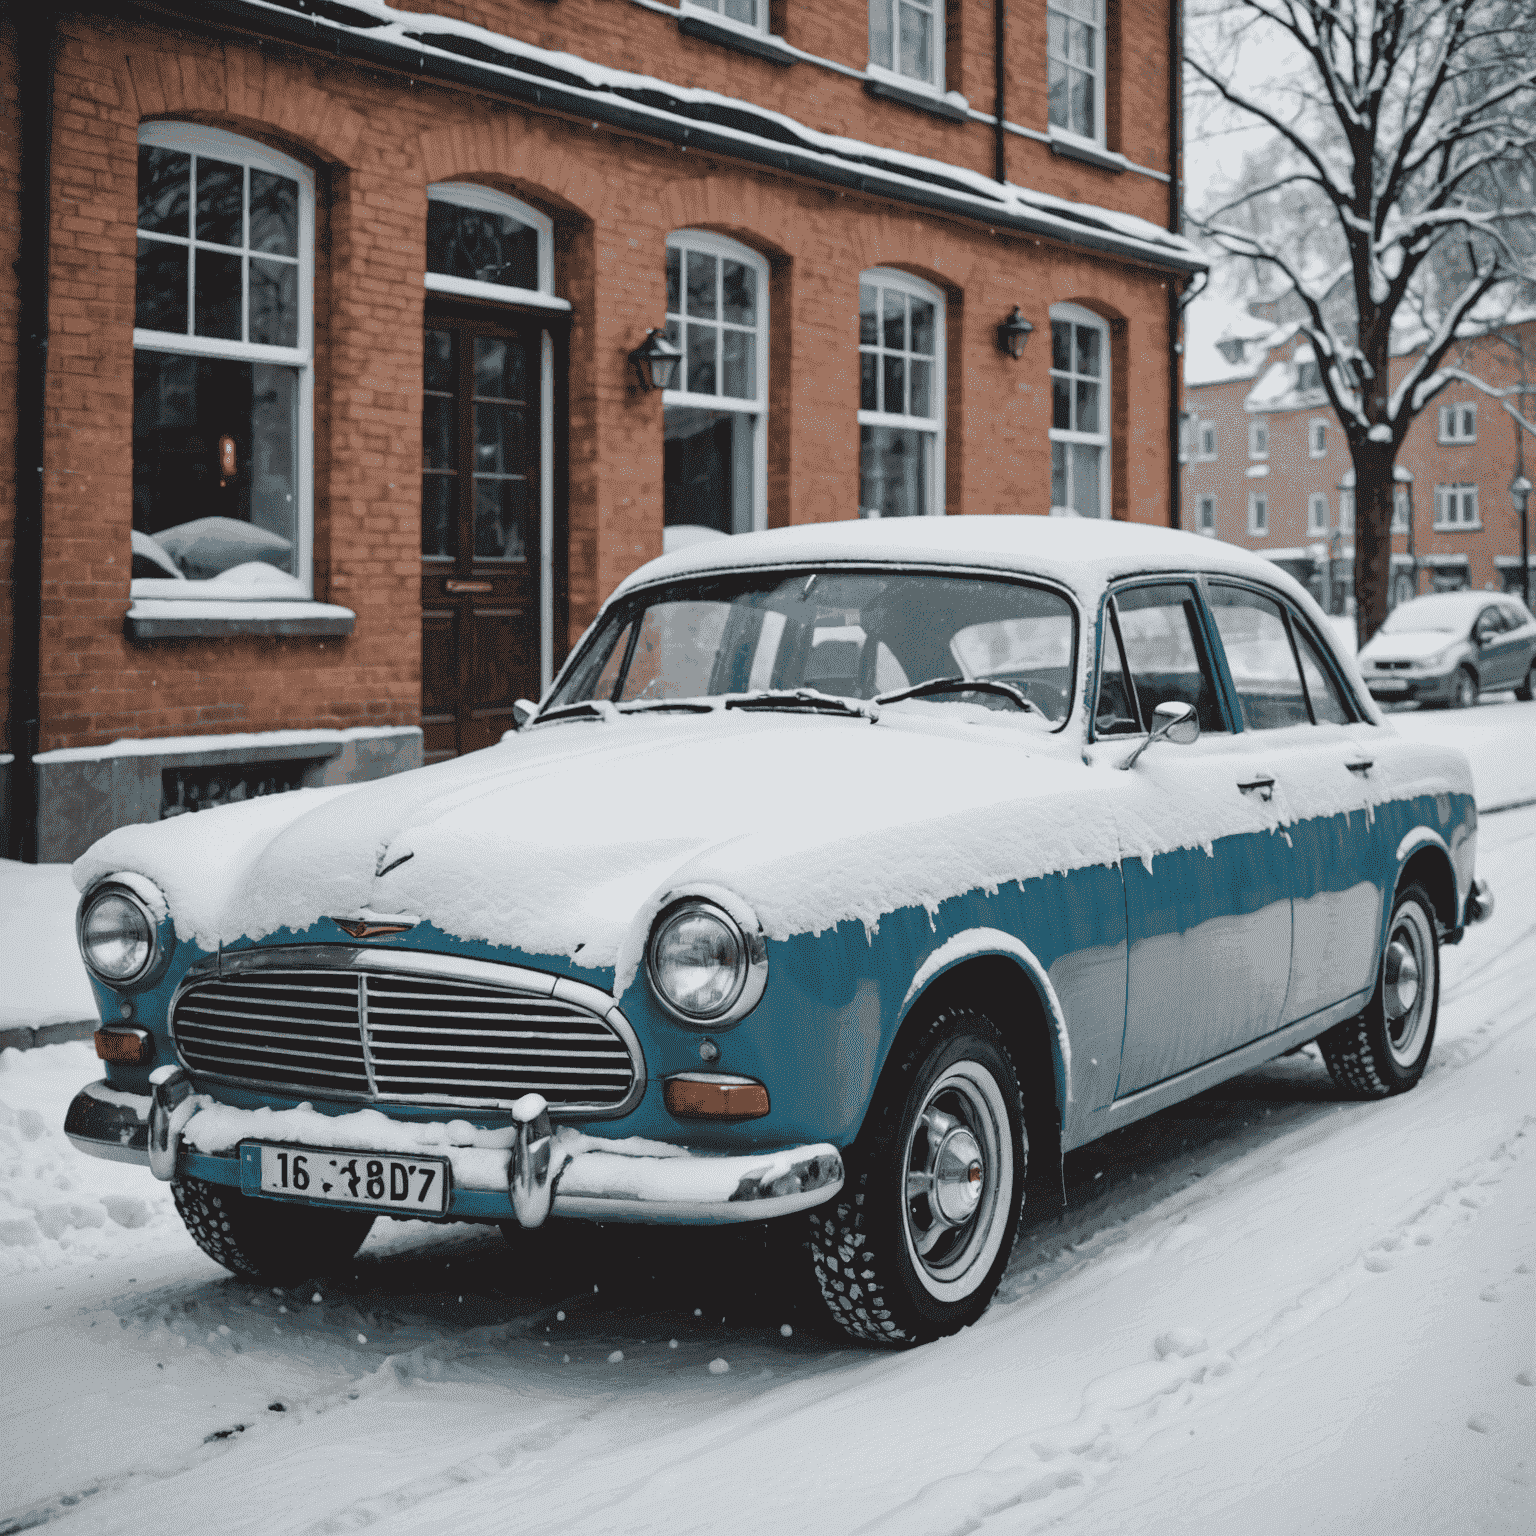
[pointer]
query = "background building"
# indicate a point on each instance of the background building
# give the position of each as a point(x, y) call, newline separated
point(340, 440)
point(1266, 464)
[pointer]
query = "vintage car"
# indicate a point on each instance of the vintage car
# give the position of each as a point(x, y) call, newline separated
point(861, 870)
point(1448, 647)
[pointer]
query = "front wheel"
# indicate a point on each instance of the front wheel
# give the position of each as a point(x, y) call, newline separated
point(271, 1240)
point(916, 1242)
point(1386, 1049)
point(1463, 689)
point(1527, 689)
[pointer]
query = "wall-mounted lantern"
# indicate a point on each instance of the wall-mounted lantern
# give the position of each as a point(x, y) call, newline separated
point(1013, 334)
point(656, 362)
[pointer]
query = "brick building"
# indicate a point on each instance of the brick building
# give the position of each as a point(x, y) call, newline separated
point(337, 442)
point(1266, 464)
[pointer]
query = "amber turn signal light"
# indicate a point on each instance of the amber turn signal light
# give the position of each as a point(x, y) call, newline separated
point(715, 1096)
point(126, 1047)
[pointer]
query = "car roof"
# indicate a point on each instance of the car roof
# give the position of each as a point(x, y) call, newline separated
point(1081, 553)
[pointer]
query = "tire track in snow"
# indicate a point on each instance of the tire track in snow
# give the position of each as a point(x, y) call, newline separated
point(1039, 1477)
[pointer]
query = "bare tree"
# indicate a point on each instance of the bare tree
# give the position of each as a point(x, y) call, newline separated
point(1398, 175)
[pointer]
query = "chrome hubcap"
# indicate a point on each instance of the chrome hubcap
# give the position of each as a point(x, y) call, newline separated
point(1400, 989)
point(1407, 983)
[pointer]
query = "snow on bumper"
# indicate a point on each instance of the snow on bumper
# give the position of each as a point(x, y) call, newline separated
point(497, 1174)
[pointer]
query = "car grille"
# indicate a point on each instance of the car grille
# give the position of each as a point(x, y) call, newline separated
point(399, 1038)
point(1393, 666)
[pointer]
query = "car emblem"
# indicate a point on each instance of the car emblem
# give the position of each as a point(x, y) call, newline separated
point(372, 928)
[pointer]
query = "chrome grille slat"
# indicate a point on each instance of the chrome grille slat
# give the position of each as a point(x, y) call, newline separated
point(394, 1036)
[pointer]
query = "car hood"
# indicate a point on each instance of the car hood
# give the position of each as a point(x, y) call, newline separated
point(1412, 645)
point(567, 838)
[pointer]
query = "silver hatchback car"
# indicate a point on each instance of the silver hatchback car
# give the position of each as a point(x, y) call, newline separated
point(1449, 647)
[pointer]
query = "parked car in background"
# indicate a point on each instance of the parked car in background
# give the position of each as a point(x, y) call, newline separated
point(860, 870)
point(1448, 647)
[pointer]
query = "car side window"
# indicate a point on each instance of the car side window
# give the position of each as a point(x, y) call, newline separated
point(1116, 712)
point(1263, 664)
point(1328, 704)
point(1165, 651)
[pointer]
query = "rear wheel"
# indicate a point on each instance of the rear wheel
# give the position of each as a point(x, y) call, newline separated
point(1386, 1049)
point(1463, 689)
point(916, 1242)
point(271, 1240)
point(1527, 689)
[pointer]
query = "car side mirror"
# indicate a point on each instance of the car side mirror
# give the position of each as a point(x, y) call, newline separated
point(1172, 720)
point(523, 710)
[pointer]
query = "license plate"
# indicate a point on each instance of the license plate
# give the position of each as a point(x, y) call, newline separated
point(1387, 685)
point(381, 1180)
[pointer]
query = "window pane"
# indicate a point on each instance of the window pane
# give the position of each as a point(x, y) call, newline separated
point(438, 518)
point(165, 177)
point(439, 373)
point(1115, 714)
point(741, 10)
point(707, 469)
point(701, 359)
point(1081, 103)
point(1061, 345)
point(216, 280)
point(916, 44)
point(739, 365)
point(1087, 407)
point(701, 285)
point(1327, 702)
point(500, 432)
point(160, 293)
point(1085, 479)
point(1057, 111)
point(501, 516)
point(439, 433)
point(869, 388)
point(674, 281)
point(880, 33)
point(220, 202)
point(1058, 474)
point(1260, 658)
point(1061, 404)
point(869, 315)
point(894, 471)
point(274, 214)
point(1056, 36)
point(922, 327)
point(894, 330)
point(274, 301)
point(920, 380)
point(1164, 650)
point(894, 388)
point(194, 417)
point(1080, 44)
point(738, 284)
point(1089, 350)
point(501, 368)
point(481, 246)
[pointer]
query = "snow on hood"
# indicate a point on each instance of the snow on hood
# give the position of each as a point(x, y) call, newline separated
point(1411, 645)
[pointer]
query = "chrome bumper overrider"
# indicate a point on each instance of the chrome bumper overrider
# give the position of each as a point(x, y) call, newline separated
point(599, 1182)
point(1479, 902)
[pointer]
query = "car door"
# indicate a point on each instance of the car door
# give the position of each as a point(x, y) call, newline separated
point(1208, 909)
point(1523, 630)
point(1500, 649)
point(1325, 780)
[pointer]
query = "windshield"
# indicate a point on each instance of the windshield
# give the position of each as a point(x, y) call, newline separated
point(1441, 612)
point(852, 634)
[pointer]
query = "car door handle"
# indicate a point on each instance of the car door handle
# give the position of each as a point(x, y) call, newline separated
point(1363, 766)
point(1264, 784)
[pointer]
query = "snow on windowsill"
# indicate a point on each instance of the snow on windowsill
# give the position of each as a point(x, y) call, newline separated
point(155, 746)
point(499, 293)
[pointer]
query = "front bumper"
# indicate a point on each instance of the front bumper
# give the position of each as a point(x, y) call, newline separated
point(547, 1172)
point(1410, 688)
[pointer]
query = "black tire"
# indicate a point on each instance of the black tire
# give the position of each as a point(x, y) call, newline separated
point(271, 1240)
point(1464, 688)
point(955, 1081)
point(1527, 690)
point(1386, 1049)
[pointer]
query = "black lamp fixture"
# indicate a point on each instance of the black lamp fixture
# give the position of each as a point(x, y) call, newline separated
point(1013, 334)
point(656, 362)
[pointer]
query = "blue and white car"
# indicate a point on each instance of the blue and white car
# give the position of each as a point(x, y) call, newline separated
point(855, 873)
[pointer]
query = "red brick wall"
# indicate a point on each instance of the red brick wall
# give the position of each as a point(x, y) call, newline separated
point(10, 148)
point(376, 141)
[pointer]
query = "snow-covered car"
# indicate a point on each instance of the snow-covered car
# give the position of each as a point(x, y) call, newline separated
point(861, 870)
point(1448, 647)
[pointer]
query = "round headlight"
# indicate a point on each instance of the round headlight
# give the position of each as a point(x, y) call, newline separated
point(117, 937)
point(703, 967)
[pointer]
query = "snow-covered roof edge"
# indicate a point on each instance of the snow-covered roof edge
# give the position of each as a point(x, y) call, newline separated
point(461, 53)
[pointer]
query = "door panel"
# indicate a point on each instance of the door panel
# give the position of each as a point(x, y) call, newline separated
point(480, 531)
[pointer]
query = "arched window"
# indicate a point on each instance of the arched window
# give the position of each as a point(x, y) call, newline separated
point(482, 244)
point(715, 423)
point(901, 396)
point(1080, 410)
point(223, 361)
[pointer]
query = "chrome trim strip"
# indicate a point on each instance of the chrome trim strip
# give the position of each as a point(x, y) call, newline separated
point(363, 1031)
point(423, 964)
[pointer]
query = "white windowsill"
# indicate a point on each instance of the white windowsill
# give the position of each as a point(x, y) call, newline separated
point(497, 293)
point(1256, 471)
point(218, 616)
point(208, 346)
point(1076, 147)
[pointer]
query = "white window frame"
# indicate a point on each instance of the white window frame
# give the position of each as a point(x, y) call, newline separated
point(1453, 418)
point(1462, 495)
point(892, 71)
point(714, 12)
point(192, 138)
point(1317, 438)
point(1258, 428)
point(464, 194)
point(1399, 511)
point(1098, 138)
point(469, 195)
point(1204, 454)
point(1104, 440)
point(706, 242)
point(1206, 504)
point(1317, 512)
point(1346, 511)
point(935, 425)
point(1256, 501)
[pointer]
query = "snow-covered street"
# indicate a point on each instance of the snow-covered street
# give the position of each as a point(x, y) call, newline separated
point(1266, 1310)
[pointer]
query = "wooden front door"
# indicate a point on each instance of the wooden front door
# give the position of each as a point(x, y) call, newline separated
point(480, 545)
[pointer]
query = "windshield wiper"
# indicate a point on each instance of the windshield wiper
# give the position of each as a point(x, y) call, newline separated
point(1004, 690)
point(669, 706)
point(588, 709)
point(805, 701)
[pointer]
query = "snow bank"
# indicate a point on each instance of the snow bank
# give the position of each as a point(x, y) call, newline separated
point(44, 981)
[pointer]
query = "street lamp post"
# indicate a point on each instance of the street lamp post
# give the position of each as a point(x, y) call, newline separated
point(1520, 494)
